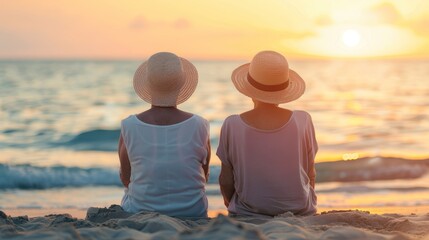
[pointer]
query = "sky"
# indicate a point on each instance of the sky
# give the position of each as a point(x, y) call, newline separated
point(213, 29)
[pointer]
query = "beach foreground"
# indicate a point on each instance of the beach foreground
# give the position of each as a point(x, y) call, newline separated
point(114, 223)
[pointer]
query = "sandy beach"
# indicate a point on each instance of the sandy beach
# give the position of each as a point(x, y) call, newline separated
point(67, 82)
point(114, 223)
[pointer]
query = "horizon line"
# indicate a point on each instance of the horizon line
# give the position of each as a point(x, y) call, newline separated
point(299, 58)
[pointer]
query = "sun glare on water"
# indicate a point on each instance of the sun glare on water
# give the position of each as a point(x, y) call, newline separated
point(351, 38)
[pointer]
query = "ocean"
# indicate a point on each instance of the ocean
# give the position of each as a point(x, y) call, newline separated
point(60, 119)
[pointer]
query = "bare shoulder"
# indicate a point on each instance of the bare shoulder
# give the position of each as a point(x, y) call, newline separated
point(184, 114)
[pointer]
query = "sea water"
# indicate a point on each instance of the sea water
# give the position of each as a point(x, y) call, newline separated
point(59, 126)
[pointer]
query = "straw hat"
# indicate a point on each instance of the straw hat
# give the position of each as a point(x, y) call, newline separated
point(165, 80)
point(269, 79)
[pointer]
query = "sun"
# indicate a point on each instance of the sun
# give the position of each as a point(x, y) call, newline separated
point(351, 38)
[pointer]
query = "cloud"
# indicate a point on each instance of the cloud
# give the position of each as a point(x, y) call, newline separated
point(420, 26)
point(140, 22)
point(181, 23)
point(299, 35)
point(382, 13)
point(324, 20)
point(385, 13)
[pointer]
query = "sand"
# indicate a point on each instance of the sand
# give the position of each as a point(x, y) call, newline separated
point(114, 223)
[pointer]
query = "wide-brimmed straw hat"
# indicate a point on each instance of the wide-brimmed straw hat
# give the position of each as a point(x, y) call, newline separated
point(165, 80)
point(269, 79)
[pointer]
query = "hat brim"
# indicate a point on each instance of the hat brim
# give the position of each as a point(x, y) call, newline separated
point(295, 89)
point(166, 99)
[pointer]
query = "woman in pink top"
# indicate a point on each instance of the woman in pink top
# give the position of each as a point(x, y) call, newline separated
point(268, 153)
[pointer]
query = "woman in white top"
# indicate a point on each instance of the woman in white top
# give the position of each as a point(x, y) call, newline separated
point(268, 153)
point(165, 152)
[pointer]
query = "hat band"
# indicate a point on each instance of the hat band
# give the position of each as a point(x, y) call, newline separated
point(267, 88)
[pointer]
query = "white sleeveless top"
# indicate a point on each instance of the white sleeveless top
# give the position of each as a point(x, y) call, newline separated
point(166, 167)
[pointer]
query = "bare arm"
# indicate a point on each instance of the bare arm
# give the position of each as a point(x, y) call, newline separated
point(311, 169)
point(226, 182)
point(125, 166)
point(313, 148)
point(206, 167)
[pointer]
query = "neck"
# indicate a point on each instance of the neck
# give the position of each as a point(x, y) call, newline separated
point(163, 108)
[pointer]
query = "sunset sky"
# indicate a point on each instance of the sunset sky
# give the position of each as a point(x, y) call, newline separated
point(208, 29)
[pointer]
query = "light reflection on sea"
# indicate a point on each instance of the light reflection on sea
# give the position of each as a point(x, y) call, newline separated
point(364, 107)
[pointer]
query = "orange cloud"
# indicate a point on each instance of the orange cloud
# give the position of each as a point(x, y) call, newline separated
point(385, 13)
point(420, 26)
point(181, 23)
point(141, 22)
point(324, 20)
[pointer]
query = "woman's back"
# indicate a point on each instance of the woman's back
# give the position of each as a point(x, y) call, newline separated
point(271, 167)
point(166, 173)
